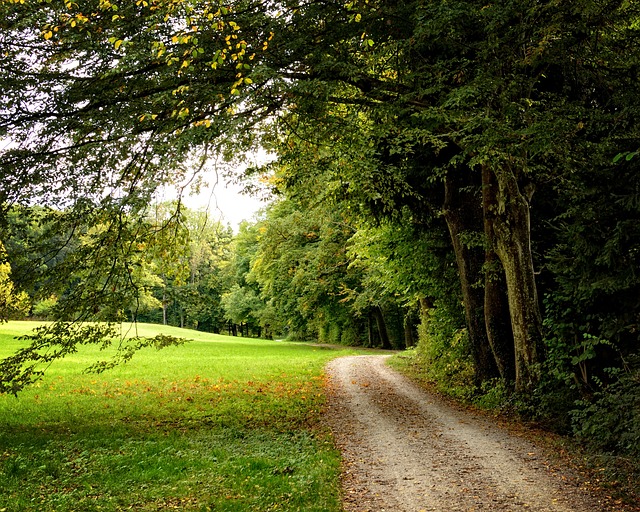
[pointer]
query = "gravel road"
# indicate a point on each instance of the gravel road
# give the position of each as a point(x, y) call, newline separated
point(406, 450)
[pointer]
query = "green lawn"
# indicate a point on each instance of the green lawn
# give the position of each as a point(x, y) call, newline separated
point(220, 423)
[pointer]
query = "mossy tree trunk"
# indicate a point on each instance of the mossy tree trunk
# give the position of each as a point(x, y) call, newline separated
point(507, 223)
point(463, 214)
point(497, 318)
point(381, 324)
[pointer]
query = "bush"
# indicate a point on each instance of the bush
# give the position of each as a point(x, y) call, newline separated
point(610, 421)
point(350, 336)
point(43, 310)
point(494, 394)
point(444, 354)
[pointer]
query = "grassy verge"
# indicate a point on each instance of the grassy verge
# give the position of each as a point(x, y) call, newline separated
point(218, 424)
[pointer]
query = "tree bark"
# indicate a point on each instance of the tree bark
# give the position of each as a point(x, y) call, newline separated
point(382, 327)
point(508, 229)
point(164, 305)
point(496, 317)
point(463, 214)
point(409, 328)
point(369, 330)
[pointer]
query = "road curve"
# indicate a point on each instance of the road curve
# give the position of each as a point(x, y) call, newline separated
point(407, 451)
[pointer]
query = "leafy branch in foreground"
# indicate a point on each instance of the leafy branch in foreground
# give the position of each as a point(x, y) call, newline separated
point(57, 340)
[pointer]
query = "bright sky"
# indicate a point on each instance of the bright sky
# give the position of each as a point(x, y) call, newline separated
point(225, 201)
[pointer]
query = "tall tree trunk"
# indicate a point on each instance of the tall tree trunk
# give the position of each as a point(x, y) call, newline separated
point(508, 229)
point(382, 327)
point(496, 317)
point(463, 214)
point(409, 328)
point(164, 305)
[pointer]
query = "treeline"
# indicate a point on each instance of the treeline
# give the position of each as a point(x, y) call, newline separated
point(294, 274)
point(173, 269)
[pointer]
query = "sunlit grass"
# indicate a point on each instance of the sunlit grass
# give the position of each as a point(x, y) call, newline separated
point(220, 423)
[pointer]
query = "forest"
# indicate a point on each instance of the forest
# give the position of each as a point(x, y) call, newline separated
point(458, 178)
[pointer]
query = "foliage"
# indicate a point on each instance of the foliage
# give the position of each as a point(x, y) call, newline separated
point(300, 265)
point(188, 263)
point(240, 304)
point(442, 357)
point(610, 422)
point(66, 265)
point(43, 309)
point(12, 304)
point(413, 140)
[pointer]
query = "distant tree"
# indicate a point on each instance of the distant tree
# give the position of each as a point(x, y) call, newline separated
point(13, 303)
point(242, 307)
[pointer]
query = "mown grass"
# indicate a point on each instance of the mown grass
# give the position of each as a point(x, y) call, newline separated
point(220, 423)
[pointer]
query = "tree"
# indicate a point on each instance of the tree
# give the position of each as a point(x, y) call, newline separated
point(302, 269)
point(12, 303)
point(242, 306)
point(485, 96)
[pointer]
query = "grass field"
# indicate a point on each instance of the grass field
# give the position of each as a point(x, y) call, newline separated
point(221, 423)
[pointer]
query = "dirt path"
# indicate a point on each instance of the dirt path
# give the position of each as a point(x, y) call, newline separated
point(406, 450)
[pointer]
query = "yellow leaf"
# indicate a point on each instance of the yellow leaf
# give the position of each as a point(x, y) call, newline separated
point(48, 35)
point(118, 43)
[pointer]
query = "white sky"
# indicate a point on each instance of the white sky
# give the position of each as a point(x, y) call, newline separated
point(224, 201)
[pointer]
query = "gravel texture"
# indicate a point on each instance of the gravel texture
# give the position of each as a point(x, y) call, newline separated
point(407, 450)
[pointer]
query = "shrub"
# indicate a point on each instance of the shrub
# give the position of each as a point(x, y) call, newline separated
point(610, 421)
point(43, 310)
point(444, 354)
